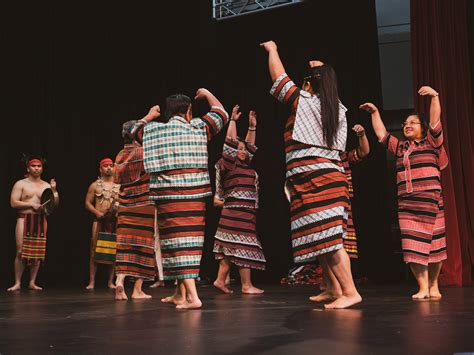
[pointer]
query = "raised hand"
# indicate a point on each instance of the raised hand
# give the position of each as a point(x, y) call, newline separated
point(202, 94)
point(252, 119)
point(315, 63)
point(427, 90)
point(235, 113)
point(359, 130)
point(154, 113)
point(369, 107)
point(269, 46)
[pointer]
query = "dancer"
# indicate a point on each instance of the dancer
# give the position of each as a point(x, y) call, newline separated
point(101, 199)
point(315, 134)
point(420, 159)
point(330, 286)
point(136, 219)
point(236, 239)
point(31, 224)
point(175, 154)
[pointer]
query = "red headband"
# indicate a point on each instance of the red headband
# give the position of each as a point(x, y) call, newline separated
point(35, 162)
point(106, 161)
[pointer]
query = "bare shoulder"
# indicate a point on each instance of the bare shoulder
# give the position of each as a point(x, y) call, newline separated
point(19, 184)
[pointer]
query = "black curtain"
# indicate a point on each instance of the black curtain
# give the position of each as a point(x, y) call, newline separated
point(74, 74)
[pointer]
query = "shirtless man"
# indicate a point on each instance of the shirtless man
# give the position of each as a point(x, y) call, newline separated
point(101, 196)
point(26, 199)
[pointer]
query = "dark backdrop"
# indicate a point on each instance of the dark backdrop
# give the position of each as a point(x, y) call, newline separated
point(73, 75)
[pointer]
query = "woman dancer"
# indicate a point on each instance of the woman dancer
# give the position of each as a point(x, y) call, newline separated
point(420, 159)
point(315, 134)
point(236, 239)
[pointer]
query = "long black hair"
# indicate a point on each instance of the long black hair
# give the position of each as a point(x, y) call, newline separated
point(323, 81)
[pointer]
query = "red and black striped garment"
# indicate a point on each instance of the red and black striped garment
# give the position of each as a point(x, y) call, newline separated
point(237, 183)
point(420, 202)
point(317, 186)
point(350, 239)
point(34, 237)
point(182, 225)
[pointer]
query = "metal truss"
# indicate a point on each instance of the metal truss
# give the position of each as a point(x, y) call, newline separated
point(223, 9)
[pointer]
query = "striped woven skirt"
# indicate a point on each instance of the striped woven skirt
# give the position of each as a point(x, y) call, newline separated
point(34, 237)
point(318, 206)
point(136, 242)
point(181, 224)
point(350, 239)
point(422, 227)
point(236, 238)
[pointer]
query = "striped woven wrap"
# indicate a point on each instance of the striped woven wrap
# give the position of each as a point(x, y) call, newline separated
point(422, 226)
point(136, 242)
point(181, 224)
point(319, 202)
point(34, 237)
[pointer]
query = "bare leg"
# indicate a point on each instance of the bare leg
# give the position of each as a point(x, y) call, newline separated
point(92, 264)
point(192, 298)
point(110, 282)
point(138, 292)
point(19, 266)
point(120, 294)
point(179, 296)
point(246, 280)
point(224, 270)
point(433, 273)
point(340, 265)
point(332, 288)
point(421, 275)
point(33, 274)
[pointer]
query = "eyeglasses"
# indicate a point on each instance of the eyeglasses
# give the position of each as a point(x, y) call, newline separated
point(410, 124)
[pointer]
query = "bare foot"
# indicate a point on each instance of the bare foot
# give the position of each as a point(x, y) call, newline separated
point(434, 293)
point(420, 295)
point(325, 296)
point(177, 300)
point(90, 287)
point(252, 290)
point(190, 305)
point(35, 287)
point(111, 286)
point(15, 287)
point(120, 294)
point(159, 283)
point(222, 287)
point(344, 302)
point(140, 296)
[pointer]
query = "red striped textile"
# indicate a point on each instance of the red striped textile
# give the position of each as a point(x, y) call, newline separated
point(181, 224)
point(236, 238)
point(422, 226)
point(319, 202)
point(34, 237)
point(136, 242)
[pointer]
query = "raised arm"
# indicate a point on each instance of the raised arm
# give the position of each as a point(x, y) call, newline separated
point(232, 129)
point(275, 66)
point(137, 130)
point(252, 131)
point(217, 117)
point(377, 123)
point(89, 201)
point(435, 106)
point(363, 149)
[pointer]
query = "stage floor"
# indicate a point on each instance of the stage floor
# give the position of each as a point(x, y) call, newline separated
point(282, 321)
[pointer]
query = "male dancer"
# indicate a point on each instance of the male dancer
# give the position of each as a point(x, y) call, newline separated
point(100, 199)
point(175, 155)
point(31, 222)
